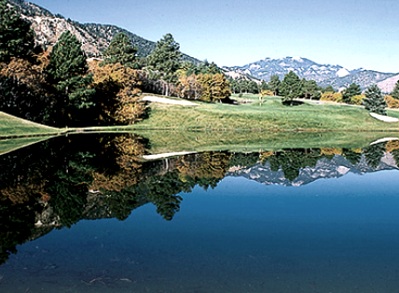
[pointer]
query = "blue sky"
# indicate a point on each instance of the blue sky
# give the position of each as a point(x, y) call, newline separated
point(351, 33)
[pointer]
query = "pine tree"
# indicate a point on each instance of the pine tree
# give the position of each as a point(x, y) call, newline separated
point(274, 84)
point(16, 36)
point(291, 87)
point(353, 90)
point(374, 100)
point(67, 71)
point(121, 51)
point(310, 90)
point(395, 92)
point(165, 59)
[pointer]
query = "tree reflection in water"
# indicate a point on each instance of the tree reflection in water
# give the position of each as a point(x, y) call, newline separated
point(61, 181)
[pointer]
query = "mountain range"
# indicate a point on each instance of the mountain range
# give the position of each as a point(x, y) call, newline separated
point(96, 37)
point(324, 74)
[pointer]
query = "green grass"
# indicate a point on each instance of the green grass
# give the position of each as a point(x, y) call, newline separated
point(11, 126)
point(270, 116)
point(244, 127)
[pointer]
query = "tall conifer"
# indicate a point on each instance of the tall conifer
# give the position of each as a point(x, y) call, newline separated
point(16, 36)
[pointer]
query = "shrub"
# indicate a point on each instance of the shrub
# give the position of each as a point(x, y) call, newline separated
point(392, 102)
point(331, 97)
point(357, 100)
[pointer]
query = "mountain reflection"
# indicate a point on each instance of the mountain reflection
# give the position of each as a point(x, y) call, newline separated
point(59, 182)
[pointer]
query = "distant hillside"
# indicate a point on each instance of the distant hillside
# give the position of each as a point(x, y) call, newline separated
point(388, 85)
point(95, 38)
point(323, 74)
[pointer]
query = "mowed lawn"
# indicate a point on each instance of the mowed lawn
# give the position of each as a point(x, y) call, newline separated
point(271, 115)
point(11, 126)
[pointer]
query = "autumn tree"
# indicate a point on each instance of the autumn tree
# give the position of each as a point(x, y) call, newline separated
point(189, 87)
point(16, 36)
point(68, 72)
point(214, 87)
point(374, 100)
point(165, 60)
point(353, 90)
point(121, 50)
point(117, 94)
point(23, 91)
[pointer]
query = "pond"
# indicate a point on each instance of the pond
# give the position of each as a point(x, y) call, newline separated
point(91, 213)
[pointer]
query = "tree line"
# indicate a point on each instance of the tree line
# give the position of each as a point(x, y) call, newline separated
point(60, 86)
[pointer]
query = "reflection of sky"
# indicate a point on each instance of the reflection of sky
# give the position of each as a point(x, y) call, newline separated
point(338, 235)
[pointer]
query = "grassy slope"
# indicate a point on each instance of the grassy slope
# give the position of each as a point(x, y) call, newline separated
point(270, 116)
point(267, 126)
point(11, 126)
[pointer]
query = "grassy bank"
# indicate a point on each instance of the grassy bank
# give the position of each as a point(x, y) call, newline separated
point(248, 126)
point(270, 116)
point(11, 126)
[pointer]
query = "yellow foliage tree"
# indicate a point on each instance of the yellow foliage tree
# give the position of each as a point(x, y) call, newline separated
point(118, 92)
point(332, 97)
point(392, 102)
point(189, 87)
point(357, 100)
point(214, 87)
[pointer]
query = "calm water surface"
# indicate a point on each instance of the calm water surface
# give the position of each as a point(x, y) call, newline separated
point(331, 235)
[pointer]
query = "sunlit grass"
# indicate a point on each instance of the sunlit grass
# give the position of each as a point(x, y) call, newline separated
point(11, 126)
point(268, 116)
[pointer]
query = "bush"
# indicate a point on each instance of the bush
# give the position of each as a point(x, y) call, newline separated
point(331, 97)
point(357, 100)
point(392, 102)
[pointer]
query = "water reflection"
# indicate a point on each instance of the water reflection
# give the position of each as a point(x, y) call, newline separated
point(62, 181)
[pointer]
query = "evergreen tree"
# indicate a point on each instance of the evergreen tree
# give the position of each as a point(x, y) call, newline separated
point(395, 92)
point(310, 90)
point(16, 36)
point(165, 59)
point(67, 71)
point(121, 51)
point(351, 91)
point(274, 84)
point(374, 100)
point(329, 89)
point(291, 87)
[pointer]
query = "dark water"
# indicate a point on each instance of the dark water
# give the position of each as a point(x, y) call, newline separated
point(327, 234)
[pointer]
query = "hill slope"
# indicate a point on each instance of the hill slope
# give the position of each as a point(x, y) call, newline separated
point(95, 38)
